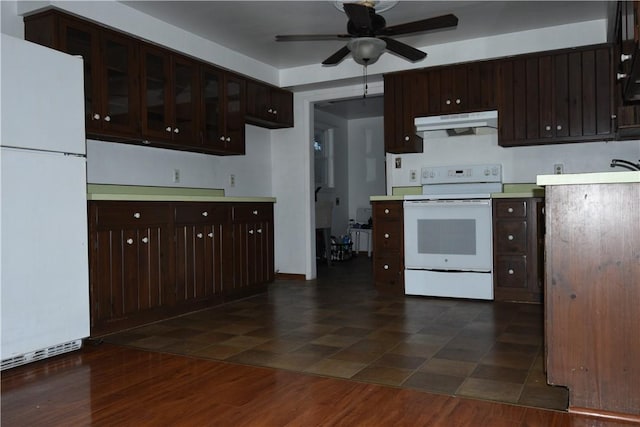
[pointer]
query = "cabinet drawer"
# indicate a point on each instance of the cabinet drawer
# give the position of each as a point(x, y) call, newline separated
point(510, 208)
point(252, 212)
point(383, 211)
point(511, 236)
point(387, 237)
point(202, 213)
point(389, 272)
point(511, 272)
point(125, 213)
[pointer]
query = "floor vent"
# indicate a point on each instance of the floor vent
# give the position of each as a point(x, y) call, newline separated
point(43, 353)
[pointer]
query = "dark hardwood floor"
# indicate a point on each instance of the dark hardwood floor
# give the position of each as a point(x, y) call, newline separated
point(110, 385)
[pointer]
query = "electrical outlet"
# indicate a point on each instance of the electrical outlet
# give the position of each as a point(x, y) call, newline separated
point(558, 169)
point(413, 175)
point(398, 162)
point(232, 180)
point(176, 175)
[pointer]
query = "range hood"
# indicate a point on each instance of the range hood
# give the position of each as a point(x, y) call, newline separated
point(458, 124)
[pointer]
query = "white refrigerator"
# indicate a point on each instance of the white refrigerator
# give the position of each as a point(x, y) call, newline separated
point(44, 278)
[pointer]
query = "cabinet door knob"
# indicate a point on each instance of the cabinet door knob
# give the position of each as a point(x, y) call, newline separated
point(624, 57)
point(228, 139)
point(259, 230)
point(547, 127)
point(458, 101)
point(107, 118)
point(210, 234)
point(222, 138)
point(386, 211)
point(145, 240)
point(386, 266)
point(510, 271)
point(136, 215)
point(96, 116)
point(269, 110)
point(510, 210)
point(199, 235)
point(251, 231)
point(448, 102)
point(559, 127)
point(255, 212)
point(406, 138)
point(510, 237)
point(176, 130)
point(275, 112)
point(168, 128)
point(386, 235)
point(205, 213)
point(129, 241)
point(621, 76)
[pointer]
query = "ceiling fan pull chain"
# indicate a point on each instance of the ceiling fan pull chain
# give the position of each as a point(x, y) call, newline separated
point(364, 79)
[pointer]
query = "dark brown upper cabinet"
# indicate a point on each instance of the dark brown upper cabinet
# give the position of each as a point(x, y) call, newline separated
point(140, 93)
point(461, 88)
point(223, 111)
point(170, 96)
point(556, 97)
point(269, 106)
point(404, 100)
point(110, 70)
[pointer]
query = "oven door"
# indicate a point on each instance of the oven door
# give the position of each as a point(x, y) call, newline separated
point(448, 235)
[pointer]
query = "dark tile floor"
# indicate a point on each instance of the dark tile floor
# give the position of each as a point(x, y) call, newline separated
point(339, 326)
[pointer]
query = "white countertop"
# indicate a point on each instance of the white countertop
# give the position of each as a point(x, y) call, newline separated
point(164, 194)
point(590, 178)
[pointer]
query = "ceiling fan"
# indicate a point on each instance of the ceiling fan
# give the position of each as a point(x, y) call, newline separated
point(369, 35)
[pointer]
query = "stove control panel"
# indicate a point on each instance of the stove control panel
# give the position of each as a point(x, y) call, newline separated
point(461, 174)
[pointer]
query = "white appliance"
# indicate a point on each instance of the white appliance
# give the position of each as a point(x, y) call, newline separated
point(479, 119)
point(44, 278)
point(448, 232)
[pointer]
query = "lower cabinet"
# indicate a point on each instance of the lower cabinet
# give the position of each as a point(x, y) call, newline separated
point(152, 260)
point(518, 249)
point(388, 247)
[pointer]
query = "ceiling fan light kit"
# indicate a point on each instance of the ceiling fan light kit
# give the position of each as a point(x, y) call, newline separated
point(366, 50)
point(379, 5)
point(369, 35)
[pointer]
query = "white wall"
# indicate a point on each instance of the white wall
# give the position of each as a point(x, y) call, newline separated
point(366, 162)
point(114, 163)
point(520, 164)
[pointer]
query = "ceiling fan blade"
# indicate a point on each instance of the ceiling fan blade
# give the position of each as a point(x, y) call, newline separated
point(311, 37)
point(337, 57)
point(439, 22)
point(359, 15)
point(403, 49)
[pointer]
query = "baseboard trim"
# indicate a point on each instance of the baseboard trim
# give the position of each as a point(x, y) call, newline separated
point(290, 276)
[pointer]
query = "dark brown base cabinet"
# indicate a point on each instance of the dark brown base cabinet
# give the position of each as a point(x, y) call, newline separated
point(152, 260)
point(388, 247)
point(518, 244)
point(592, 293)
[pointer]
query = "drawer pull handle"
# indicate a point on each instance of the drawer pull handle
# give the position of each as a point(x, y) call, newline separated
point(205, 213)
point(510, 237)
point(145, 240)
point(210, 234)
point(510, 210)
point(136, 215)
point(199, 235)
point(129, 241)
point(386, 266)
point(386, 235)
point(510, 271)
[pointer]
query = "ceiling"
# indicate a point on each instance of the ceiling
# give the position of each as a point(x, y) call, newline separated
point(249, 27)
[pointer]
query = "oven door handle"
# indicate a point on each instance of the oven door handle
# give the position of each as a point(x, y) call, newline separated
point(446, 203)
